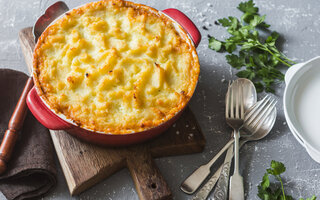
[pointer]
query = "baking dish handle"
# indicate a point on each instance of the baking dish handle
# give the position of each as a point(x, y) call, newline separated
point(291, 71)
point(313, 153)
point(298, 138)
point(43, 114)
point(186, 23)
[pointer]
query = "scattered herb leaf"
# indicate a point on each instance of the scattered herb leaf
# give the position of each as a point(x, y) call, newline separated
point(259, 56)
point(272, 191)
point(215, 44)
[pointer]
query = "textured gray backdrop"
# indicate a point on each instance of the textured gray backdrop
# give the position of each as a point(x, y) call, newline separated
point(296, 20)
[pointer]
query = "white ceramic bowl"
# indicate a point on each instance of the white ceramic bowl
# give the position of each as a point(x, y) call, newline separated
point(301, 102)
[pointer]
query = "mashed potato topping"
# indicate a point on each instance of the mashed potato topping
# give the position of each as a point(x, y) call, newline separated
point(115, 66)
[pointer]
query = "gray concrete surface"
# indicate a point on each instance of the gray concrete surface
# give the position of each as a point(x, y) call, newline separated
point(296, 20)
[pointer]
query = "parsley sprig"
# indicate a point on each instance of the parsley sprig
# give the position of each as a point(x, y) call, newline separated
point(265, 191)
point(258, 55)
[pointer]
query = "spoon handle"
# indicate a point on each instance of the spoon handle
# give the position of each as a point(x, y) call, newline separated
point(193, 182)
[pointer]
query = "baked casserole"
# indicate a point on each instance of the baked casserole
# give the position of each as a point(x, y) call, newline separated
point(115, 67)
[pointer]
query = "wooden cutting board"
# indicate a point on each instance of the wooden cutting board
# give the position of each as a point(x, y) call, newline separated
point(86, 164)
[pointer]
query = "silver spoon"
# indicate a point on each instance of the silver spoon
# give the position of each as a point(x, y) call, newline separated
point(256, 133)
point(192, 183)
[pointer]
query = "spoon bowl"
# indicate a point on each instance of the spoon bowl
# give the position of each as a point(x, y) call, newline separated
point(249, 93)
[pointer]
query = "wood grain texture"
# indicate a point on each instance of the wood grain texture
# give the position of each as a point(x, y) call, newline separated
point(27, 45)
point(86, 164)
point(146, 175)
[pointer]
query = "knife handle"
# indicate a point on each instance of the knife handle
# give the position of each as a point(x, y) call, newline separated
point(15, 124)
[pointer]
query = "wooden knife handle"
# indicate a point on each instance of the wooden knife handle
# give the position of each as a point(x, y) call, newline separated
point(148, 180)
point(15, 124)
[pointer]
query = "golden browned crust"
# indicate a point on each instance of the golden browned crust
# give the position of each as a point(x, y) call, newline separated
point(94, 67)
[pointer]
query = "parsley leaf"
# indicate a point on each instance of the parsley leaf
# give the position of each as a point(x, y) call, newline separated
point(277, 168)
point(248, 7)
point(246, 74)
point(235, 61)
point(260, 57)
point(224, 22)
point(257, 20)
point(230, 47)
point(215, 44)
point(272, 191)
point(312, 198)
point(265, 181)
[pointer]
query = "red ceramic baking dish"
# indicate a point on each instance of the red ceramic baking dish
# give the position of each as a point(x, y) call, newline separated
point(50, 119)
